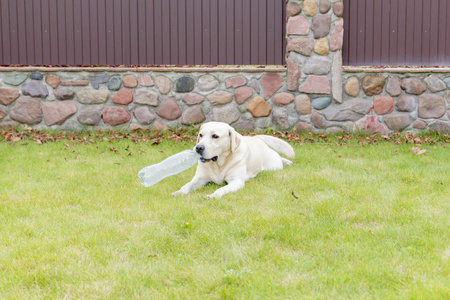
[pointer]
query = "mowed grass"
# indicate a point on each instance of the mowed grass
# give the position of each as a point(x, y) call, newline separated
point(349, 221)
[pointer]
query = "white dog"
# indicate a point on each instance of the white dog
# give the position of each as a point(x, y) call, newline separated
point(225, 155)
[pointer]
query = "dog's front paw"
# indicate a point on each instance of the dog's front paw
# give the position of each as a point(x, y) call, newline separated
point(177, 193)
point(213, 196)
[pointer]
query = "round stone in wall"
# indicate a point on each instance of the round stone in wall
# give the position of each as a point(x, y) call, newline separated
point(321, 26)
point(383, 104)
point(8, 95)
point(207, 83)
point(292, 9)
point(283, 99)
point(302, 127)
point(242, 94)
point(35, 89)
point(310, 8)
point(191, 99)
point(145, 80)
point(258, 107)
point(36, 76)
point(317, 65)
point(227, 114)
point(397, 121)
point(164, 84)
point(27, 110)
point(123, 97)
point(193, 115)
point(271, 82)
point(235, 82)
point(90, 116)
point(219, 98)
point(16, 79)
point(52, 80)
point(321, 103)
point(352, 86)
point(147, 97)
point(440, 126)
point(113, 115)
point(143, 115)
point(57, 112)
point(169, 109)
point(318, 121)
point(298, 25)
point(393, 86)
point(431, 106)
point(419, 124)
point(406, 103)
point(373, 84)
point(114, 84)
point(303, 46)
point(185, 84)
point(324, 6)
point(64, 94)
point(435, 84)
point(280, 119)
point(413, 86)
point(338, 9)
point(303, 104)
point(129, 81)
point(92, 96)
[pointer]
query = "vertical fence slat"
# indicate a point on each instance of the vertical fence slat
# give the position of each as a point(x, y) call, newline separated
point(214, 32)
point(174, 34)
point(262, 30)
point(393, 32)
point(150, 31)
point(78, 36)
point(206, 32)
point(401, 32)
point(190, 38)
point(94, 33)
point(110, 35)
point(46, 40)
point(230, 32)
point(5, 47)
point(134, 33)
point(246, 32)
point(37, 28)
point(254, 36)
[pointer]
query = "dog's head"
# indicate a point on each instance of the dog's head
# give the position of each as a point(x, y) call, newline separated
point(216, 139)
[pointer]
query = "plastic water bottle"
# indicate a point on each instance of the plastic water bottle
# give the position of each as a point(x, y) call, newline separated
point(170, 166)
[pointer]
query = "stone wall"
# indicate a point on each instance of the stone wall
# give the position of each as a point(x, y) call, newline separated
point(147, 99)
point(313, 92)
point(410, 101)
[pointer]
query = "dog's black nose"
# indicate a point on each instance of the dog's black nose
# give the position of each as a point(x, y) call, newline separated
point(199, 149)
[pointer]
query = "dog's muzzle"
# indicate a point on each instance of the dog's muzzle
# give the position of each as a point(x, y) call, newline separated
point(204, 160)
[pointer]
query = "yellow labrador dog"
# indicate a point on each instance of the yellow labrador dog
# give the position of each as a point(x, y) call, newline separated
point(227, 156)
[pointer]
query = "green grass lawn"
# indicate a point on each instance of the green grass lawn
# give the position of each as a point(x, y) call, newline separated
point(347, 220)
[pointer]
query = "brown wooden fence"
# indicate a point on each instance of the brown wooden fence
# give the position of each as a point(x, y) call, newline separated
point(142, 32)
point(397, 32)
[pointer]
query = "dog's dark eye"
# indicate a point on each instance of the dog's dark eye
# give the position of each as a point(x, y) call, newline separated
point(215, 136)
point(200, 135)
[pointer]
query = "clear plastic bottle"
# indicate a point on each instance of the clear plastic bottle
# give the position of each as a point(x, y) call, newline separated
point(170, 166)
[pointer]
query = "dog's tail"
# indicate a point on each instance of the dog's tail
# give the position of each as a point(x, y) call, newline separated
point(278, 145)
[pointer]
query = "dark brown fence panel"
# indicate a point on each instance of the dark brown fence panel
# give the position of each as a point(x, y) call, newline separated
point(397, 32)
point(142, 32)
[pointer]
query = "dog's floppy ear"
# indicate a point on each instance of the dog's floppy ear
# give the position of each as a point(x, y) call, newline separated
point(235, 140)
